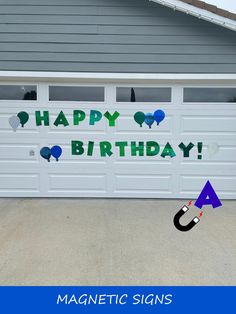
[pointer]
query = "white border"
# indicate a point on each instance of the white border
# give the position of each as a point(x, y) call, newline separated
point(86, 76)
point(198, 12)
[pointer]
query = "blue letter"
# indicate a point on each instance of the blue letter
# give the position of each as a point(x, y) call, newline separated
point(208, 196)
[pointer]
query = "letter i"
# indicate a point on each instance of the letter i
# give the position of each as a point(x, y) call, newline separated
point(90, 148)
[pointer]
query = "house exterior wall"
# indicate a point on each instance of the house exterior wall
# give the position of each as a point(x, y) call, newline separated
point(133, 36)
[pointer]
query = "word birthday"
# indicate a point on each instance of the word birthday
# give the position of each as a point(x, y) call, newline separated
point(150, 148)
point(43, 118)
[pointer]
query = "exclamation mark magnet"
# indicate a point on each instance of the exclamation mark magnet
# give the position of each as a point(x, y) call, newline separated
point(199, 147)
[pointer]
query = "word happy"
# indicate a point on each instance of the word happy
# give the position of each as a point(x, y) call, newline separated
point(43, 118)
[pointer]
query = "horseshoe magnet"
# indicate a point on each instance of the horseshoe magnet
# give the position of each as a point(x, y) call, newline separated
point(188, 227)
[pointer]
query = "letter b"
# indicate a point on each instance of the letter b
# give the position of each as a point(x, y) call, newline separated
point(77, 147)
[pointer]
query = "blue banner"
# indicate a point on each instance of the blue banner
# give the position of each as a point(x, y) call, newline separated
point(117, 300)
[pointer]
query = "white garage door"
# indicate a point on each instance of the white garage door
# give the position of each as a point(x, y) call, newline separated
point(193, 114)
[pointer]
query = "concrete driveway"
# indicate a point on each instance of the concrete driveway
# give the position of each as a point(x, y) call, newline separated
point(114, 242)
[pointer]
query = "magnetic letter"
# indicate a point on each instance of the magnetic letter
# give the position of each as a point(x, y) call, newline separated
point(78, 116)
point(44, 118)
point(77, 147)
point(208, 196)
point(186, 149)
point(137, 149)
point(153, 148)
point(105, 149)
point(90, 148)
point(111, 118)
point(122, 146)
point(95, 116)
point(61, 119)
point(168, 151)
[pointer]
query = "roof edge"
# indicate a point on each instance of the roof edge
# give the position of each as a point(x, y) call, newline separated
point(198, 12)
point(102, 76)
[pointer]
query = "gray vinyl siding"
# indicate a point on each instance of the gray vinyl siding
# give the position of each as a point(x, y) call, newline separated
point(110, 36)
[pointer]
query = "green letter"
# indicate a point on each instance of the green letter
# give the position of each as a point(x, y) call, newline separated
point(121, 146)
point(105, 149)
point(77, 147)
point(137, 149)
point(153, 148)
point(44, 118)
point(111, 118)
point(168, 151)
point(79, 116)
point(186, 149)
point(90, 148)
point(61, 119)
point(95, 116)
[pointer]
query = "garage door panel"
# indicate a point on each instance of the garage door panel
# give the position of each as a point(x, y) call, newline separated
point(76, 133)
point(143, 194)
point(74, 168)
point(145, 168)
point(83, 161)
point(19, 182)
point(76, 194)
point(142, 161)
point(77, 182)
point(207, 169)
point(143, 183)
point(19, 105)
point(222, 183)
point(207, 138)
point(209, 124)
point(19, 153)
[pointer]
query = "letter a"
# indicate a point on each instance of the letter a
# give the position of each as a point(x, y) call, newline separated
point(208, 196)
